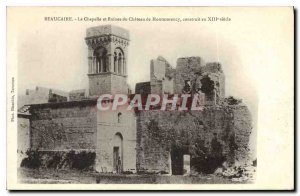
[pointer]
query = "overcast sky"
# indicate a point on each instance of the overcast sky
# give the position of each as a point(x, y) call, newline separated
point(54, 54)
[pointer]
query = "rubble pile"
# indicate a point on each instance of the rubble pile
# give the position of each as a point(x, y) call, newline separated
point(238, 173)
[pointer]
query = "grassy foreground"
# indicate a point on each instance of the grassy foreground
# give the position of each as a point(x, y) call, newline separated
point(51, 176)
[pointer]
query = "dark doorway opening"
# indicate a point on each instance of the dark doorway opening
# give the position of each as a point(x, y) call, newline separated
point(116, 156)
point(180, 159)
point(177, 161)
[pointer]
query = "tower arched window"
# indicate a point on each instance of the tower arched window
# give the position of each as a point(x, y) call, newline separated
point(101, 60)
point(115, 62)
point(119, 61)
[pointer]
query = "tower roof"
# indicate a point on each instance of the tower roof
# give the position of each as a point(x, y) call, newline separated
point(107, 30)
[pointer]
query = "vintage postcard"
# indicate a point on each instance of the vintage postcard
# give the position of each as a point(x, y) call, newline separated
point(150, 98)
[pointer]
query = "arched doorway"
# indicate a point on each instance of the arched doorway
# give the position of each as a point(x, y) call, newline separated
point(118, 153)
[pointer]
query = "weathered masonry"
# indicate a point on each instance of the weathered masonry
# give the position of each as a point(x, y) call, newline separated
point(80, 126)
point(64, 126)
point(163, 138)
point(168, 142)
point(107, 59)
point(77, 125)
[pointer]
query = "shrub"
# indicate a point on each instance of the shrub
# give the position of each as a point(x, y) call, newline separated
point(33, 159)
point(127, 172)
point(232, 101)
point(82, 160)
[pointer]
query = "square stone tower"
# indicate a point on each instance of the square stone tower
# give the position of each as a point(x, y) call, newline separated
point(107, 59)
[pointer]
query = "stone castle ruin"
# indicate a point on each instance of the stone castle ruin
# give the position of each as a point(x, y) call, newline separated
point(166, 142)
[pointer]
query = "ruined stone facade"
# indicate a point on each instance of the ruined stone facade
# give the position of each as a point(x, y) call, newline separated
point(146, 141)
point(161, 77)
point(160, 132)
point(205, 78)
point(164, 137)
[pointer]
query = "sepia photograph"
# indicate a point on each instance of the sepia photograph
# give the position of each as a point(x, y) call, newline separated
point(150, 98)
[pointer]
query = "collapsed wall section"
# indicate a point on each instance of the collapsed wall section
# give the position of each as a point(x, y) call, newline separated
point(161, 77)
point(187, 69)
point(193, 75)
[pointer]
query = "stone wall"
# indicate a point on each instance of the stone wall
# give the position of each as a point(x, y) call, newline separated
point(242, 128)
point(63, 126)
point(213, 71)
point(107, 83)
point(161, 76)
point(116, 129)
point(207, 78)
point(77, 95)
point(23, 137)
point(23, 134)
point(119, 84)
point(99, 85)
point(80, 126)
point(143, 88)
point(159, 131)
point(203, 78)
point(187, 68)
